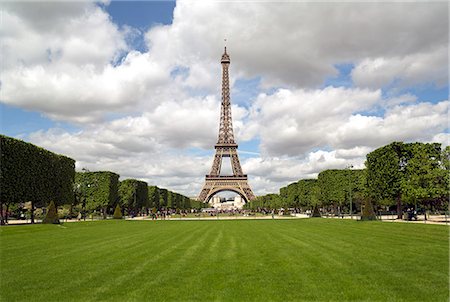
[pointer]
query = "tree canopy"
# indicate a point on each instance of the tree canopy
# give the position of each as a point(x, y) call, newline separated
point(133, 194)
point(97, 190)
point(31, 173)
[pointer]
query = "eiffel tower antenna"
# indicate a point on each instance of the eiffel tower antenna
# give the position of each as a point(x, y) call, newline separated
point(226, 147)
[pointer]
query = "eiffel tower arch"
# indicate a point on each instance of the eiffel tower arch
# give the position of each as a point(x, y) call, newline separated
point(226, 147)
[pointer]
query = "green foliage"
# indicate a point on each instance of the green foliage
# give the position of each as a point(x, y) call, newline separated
point(385, 171)
point(133, 194)
point(307, 191)
point(368, 212)
point(163, 198)
point(171, 203)
point(292, 197)
point(425, 179)
point(31, 173)
point(333, 186)
point(445, 159)
point(269, 201)
point(414, 172)
point(195, 204)
point(336, 187)
point(117, 213)
point(163, 195)
point(51, 215)
point(284, 192)
point(153, 197)
point(97, 190)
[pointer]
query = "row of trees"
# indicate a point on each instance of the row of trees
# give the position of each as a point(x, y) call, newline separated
point(415, 174)
point(332, 190)
point(35, 176)
point(159, 198)
point(102, 191)
point(397, 175)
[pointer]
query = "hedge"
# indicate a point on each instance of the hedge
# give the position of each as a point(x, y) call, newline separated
point(133, 194)
point(31, 173)
point(97, 190)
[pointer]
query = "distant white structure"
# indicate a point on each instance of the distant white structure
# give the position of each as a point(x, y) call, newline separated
point(226, 204)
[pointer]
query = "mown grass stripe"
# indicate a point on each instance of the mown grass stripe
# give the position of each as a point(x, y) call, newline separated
point(254, 260)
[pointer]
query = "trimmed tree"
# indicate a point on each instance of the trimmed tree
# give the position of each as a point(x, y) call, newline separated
point(412, 172)
point(367, 212)
point(52, 214)
point(153, 197)
point(426, 180)
point(117, 212)
point(332, 186)
point(96, 191)
point(133, 194)
point(163, 193)
point(336, 187)
point(307, 193)
point(31, 173)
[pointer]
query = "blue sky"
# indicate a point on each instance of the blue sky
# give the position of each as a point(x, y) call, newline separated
point(131, 89)
point(141, 15)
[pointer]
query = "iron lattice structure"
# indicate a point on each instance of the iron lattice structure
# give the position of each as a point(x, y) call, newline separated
point(226, 147)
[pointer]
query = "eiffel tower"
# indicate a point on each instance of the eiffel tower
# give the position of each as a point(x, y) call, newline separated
point(226, 147)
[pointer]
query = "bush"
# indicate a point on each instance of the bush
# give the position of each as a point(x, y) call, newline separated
point(117, 213)
point(368, 213)
point(52, 214)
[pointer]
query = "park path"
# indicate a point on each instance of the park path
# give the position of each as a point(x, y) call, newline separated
point(438, 219)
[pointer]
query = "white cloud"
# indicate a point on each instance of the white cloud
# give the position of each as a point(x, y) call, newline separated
point(78, 33)
point(72, 63)
point(135, 157)
point(307, 41)
point(190, 123)
point(442, 138)
point(417, 122)
point(268, 174)
point(129, 156)
point(416, 69)
point(64, 55)
point(81, 94)
point(294, 122)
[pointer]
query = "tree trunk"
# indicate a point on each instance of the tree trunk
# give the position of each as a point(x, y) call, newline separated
point(2, 220)
point(32, 212)
point(6, 213)
point(399, 207)
point(70, 211)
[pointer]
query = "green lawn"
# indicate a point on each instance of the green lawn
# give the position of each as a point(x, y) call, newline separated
point(236, 260)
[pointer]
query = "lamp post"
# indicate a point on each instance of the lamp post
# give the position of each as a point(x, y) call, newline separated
point(349, 167)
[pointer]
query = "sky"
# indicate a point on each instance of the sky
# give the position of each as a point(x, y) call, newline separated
point(134, 87)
